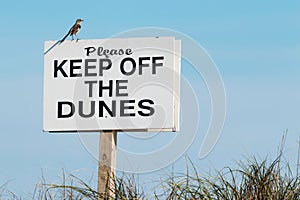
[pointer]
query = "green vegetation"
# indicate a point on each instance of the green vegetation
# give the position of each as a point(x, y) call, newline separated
point(252, 180)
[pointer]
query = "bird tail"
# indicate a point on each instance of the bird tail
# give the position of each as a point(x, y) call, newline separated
point(61, 41)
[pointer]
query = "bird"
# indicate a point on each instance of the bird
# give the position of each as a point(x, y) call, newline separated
point(73, 31)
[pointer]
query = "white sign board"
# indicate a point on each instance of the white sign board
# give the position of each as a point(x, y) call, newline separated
point(114, 84)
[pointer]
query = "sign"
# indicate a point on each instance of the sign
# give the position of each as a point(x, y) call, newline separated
point(114, 84)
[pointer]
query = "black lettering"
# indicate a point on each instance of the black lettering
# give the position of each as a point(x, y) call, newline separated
point(80, 111)
point(90, 50)
point(87, 67)
point(60, 113)
point(124, 107)
point(109, 88)
point(90, 85)
point(74, 67)
point(104, 67)
point(100, 49)
point(132, 69)
point(111, 112)
point(121, 52)
point(144, 107)
point(141, 64)
point(155, 64)
point(113, 52)
point(105, 52)
point(121, 87)
point(59, 68)
point(128, 52)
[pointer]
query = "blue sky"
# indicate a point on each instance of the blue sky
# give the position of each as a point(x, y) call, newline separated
point(255, 45)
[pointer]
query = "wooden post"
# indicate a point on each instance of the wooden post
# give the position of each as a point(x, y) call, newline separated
point(107, 164)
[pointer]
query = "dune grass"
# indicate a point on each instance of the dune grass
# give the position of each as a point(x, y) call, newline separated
point(253, 180)
point(268, 179)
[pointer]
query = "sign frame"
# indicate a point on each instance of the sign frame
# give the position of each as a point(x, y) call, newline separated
point(60, 50)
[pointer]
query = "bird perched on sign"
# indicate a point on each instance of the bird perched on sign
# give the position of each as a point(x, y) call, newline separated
point(74, 30)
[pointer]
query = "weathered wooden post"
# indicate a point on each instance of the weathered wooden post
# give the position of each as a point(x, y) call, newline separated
point(107, 164)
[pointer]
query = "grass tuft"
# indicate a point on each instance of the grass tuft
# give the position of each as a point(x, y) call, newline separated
point(252, 179)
